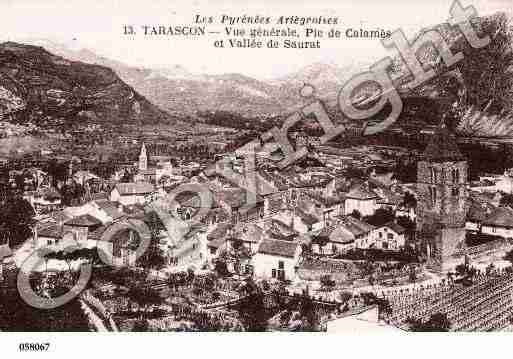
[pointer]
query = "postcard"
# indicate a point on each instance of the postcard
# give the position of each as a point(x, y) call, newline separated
point(222, 166)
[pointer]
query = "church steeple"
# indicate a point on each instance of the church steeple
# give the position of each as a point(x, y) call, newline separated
point(143, 159)
point(442, 177)
point(443, 146)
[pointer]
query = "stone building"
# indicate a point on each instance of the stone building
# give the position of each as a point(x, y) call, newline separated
point(442, 176)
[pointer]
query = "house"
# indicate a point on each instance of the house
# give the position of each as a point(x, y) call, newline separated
point(105, 210)
point(185, 245)
point(390, 236)
point(82, 177)
point(388, 199)
point(80, 227)
point(5, 257)
point(478, 211)
point(235, 202)
point(129, 194)
point(44, 200)
point(47, 235)
point(119, 241)
point(217, 238)
point(328, 206)
point(247, 235)
point(499, 223)
point(276, 229)
point(277, 259)
point(495, 183)
point(300, 219)
point(347, 234)
point(361, 199)
point(189, 250)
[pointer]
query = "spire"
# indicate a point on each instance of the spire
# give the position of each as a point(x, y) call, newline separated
point(443, 146)
point(143, 159)
point(143, 150)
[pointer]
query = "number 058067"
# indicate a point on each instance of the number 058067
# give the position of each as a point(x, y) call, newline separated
point(33, 347)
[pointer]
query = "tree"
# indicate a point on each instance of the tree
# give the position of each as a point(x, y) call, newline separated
point(412, 274)
point(252, 312)
point(164, 180)
point(221, 267)
point(327, 282)
point(509, 256)
point(461, 270)
point(506, 200)
point(309, 316)
point(407, 224)
point(154, 258)
point(145, 296)
point(140, 325)
point(57, 171)
point(17, 220)
point(356, 214)
point(409, 200)
point(380, 217)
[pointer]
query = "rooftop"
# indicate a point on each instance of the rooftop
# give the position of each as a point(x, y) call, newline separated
point(500, 217)
point(280, 248)
point(125, 189)
point(85, 220)
point(50, 231)
point(362, 193)
point(395, 227)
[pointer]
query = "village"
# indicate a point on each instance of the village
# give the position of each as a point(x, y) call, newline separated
point(337, 235)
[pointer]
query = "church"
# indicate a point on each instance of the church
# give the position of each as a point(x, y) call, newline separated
point(443, 201)
point(151, 174)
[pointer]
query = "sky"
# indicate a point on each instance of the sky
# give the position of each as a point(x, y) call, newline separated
point(97, 25)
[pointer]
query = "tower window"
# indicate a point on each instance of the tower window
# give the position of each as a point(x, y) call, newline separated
point(432, 193)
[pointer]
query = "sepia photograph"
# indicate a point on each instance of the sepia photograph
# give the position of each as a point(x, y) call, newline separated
point(330, 167)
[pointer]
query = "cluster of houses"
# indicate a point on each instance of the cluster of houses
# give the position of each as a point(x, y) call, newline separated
point(294, 211)
point(305, 208)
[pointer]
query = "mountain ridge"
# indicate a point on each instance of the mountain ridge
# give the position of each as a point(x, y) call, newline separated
point(38, 86)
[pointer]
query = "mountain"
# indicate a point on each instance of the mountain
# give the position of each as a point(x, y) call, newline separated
point(43, 88)
point(475, 95)
point(181, 92)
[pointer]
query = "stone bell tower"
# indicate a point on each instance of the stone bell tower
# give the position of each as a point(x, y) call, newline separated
point(442, 176)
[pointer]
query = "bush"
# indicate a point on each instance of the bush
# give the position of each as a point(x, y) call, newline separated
point(327, 281)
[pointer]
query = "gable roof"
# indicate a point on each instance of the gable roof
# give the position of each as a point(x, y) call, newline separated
point(220, 231)
point(281, 230)
point(395, 227)
point(96, 235)
point(345, 231)
point(234, 197)
point(216, 243)
point(500, 217)
point(85, 220)
point(275, 247)
point(50, 231)
point(109, 208)
point(126, 189)
point(362, 193)
point(478, 210)
point(307, 218)
point(249, 232)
